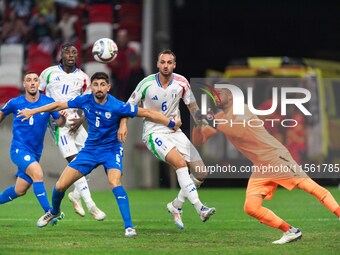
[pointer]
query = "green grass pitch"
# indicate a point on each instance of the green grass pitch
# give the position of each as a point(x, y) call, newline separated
point(229, 231)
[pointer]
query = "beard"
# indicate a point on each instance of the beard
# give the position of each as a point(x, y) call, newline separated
point(33, 93)
point(99, 95)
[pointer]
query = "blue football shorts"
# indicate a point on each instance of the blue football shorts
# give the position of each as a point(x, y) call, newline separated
point(23, 158)
point(90, 158)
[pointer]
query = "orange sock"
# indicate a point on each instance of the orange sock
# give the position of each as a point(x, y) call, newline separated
point(322, 194)
point(253, 207)
point(284, 226)
point(337, 212)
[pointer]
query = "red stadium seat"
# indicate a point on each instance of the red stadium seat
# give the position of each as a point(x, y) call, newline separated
point(130, 13)
point(7, 92)
point(100, 13)
point(134, 29)
point(37, 60)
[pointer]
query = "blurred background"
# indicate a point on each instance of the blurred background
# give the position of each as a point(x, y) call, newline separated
point(211, 39)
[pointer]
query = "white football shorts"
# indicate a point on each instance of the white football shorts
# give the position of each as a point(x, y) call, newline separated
point(161, 143)
point(70, 144)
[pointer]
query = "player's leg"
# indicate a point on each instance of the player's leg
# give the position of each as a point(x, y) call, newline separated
point(322, 194)
point(19, 189)
point(81, 190)
point(35, 172)
point(114, 177)
point(197, 176)
point(175, 206)
point(30, 170)
point(195, 163)
point(66, 179)
point(258, 190)
point(69, 146)
point(113, 166)
point(187, 185)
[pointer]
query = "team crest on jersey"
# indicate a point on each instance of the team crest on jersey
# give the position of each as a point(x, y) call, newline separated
point(27, 158)
point(173, 93)
point(108, 115)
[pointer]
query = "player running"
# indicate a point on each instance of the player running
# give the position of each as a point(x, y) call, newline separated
point(63, 82)
point(28, 142)
point(103, 113)
point(256, 144)
point(162, 92)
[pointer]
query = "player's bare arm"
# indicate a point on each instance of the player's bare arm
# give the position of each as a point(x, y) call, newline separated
point(62, 120)
point(123, 130)
point(55, 106)
point(76, 123)
point(158, 118)
point(2, 116)
point(196, 114)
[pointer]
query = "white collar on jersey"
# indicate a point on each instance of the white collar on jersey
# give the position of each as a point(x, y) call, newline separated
point(61, 68)
point(159, 83)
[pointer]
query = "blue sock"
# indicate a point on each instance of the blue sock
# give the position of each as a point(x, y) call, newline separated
point(40, 193)
point(8, 195)
point(123, 203)
point(57, 197)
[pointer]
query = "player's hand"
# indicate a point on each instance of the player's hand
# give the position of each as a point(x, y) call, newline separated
point(205, 120)
point(63, 113)
point(178, 124)
point(122, 133)
point(25, 113)
point(75, 124)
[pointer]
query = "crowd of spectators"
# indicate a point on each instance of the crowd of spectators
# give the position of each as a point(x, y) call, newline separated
point(51, 23)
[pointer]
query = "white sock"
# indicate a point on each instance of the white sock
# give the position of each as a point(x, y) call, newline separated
point(188, 187)
point(179, 200)
point(75, 192)
point(83, 189)
point(198, 183)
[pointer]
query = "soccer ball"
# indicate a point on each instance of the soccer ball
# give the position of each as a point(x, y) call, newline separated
point(104, 50)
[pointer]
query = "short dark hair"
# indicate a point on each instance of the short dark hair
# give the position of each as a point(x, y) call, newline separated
point(30, 72)
point(100, 75)
point(64, 47)
point(167, 51)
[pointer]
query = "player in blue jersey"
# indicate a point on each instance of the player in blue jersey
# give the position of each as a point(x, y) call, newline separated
point(102, 147)
point(27, 142)
point(63, 82)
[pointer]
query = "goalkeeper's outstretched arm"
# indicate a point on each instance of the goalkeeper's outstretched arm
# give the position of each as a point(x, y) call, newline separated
point(202, 134)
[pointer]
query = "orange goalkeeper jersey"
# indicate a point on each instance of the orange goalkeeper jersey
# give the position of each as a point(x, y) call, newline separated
point(247, 134)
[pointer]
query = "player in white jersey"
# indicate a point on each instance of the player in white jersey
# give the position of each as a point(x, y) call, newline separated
point(64, 82)
point(162, 92)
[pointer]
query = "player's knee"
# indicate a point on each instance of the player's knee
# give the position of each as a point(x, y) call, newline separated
point(38, 177)
point(252, 207)
point(180, 163)
point(60, 187)
point(115, 182)
point(20, 192)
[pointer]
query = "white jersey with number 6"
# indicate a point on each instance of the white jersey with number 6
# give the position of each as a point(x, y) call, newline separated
point(150, 94)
